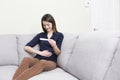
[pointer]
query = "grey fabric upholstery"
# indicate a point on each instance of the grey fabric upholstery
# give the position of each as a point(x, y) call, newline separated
point(114, 69)
point(8, 50)
point(57, 74)
point(7, 72)
point(91, 56)
point(66, 49)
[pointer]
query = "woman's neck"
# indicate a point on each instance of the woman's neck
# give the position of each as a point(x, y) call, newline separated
point(49, 34)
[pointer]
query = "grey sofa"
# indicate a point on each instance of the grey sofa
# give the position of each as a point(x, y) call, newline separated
point(89, 56)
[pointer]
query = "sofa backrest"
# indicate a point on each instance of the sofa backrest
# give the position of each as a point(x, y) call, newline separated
point(66, 49)
point(92, 55)
point(22, 41)
point(114, 70)
point(8, 50)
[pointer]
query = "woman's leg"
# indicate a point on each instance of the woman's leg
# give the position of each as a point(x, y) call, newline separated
point(42, 65)
point(25, 64)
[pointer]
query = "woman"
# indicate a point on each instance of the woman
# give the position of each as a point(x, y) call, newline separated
point(50, 41)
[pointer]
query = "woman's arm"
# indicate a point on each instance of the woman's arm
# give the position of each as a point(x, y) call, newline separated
point(55, 47)
point(34, 51)
point(57, 50)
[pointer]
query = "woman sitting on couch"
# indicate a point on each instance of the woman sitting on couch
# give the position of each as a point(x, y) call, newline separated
point(50, 44)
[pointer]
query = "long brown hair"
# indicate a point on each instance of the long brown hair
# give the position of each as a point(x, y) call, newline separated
point(49, 18)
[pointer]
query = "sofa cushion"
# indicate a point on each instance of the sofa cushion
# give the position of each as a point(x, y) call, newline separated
point(114, 70)
point(92, 55)
point(22, 41)
point(8, 50)
point(66, 49)
point(56, 74)
point(7, 72)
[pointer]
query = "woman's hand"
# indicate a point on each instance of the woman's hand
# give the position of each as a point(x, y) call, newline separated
point(54, 45)
point(45, 53)
point(52, 42)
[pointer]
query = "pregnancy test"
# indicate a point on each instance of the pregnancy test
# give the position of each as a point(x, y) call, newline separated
point(43, 39)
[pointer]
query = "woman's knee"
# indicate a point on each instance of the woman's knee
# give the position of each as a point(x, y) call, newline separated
point(47, 65)
point(42, 62)
point(26, 60)
point(51, 65)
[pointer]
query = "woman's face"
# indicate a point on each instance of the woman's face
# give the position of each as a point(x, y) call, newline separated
point(47, 26)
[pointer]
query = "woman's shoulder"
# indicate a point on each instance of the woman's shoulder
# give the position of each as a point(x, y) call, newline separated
point(59, 34)
point(39, 34)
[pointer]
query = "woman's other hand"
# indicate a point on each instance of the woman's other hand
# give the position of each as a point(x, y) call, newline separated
point(45, 53)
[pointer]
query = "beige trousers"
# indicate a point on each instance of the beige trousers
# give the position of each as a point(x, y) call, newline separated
point(30, 67)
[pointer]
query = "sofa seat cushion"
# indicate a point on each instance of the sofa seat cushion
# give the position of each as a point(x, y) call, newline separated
point(57, 74)
point(7, 72)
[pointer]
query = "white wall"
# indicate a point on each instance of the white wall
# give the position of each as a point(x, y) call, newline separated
point(23, 16)
point(105, 15)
